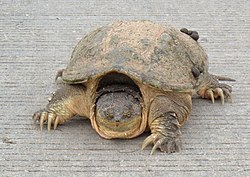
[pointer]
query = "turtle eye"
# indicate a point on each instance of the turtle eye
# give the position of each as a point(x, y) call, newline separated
point(127, 114)
point(109, 114)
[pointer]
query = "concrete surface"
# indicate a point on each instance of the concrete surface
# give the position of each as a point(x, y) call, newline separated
point(37, 38)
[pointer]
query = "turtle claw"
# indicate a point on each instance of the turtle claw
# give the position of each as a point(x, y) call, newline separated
point(211, 95)
point(56, 122)
point(215, 93)
point(164, 143)
point(158, 145)
point(49, 117)
point(148, 141)
point(216, 90)
point(43, 118)
point(221, 95)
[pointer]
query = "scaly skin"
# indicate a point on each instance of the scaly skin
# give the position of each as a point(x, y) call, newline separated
point(170, 111)
point(167, 114)
point(64, 104)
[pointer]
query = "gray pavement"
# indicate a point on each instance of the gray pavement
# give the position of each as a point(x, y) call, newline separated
point(37, 38)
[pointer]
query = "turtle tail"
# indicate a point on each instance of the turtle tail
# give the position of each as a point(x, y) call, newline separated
point(223, 78)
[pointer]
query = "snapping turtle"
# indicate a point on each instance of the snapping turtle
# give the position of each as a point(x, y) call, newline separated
point(129, 77)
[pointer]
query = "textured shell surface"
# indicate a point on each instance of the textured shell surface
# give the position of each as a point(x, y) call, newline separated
point(155, 54)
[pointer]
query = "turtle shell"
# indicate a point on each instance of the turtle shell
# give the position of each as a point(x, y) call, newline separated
point(154, 54)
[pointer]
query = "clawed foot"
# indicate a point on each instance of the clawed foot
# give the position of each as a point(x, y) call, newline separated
point(164, 143)
point(47, 117)
point(219, 92)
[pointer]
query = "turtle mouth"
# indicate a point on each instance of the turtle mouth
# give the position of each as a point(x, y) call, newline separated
point(118, 129)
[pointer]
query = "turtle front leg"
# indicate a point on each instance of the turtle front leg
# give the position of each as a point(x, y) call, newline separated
point(165, 135)
point(212, 89)
point(64, 104)
point(167, 114)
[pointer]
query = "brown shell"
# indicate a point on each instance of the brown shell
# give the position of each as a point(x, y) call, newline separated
point(154, 54)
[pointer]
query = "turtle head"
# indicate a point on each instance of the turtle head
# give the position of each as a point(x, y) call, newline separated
point(118, 114)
